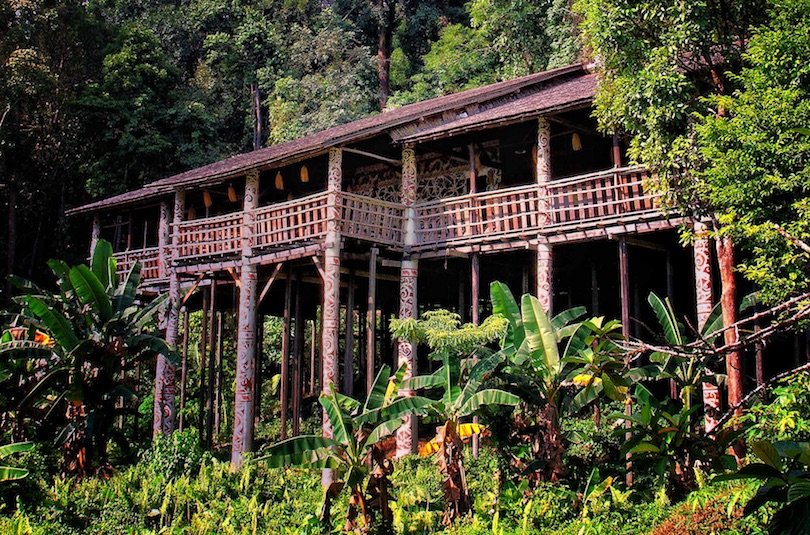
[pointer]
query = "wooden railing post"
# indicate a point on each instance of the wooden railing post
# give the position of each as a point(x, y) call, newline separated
point(244, 405)
point(407, 438)
point(164, 407)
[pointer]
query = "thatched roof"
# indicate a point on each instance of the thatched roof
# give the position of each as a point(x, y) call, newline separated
point(439, 117)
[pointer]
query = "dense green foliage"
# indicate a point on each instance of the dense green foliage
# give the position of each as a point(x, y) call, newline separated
point(714, 95)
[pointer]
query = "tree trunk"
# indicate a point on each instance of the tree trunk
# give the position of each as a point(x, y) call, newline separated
point(728, 304)
point(256, 105)
point(386, 29)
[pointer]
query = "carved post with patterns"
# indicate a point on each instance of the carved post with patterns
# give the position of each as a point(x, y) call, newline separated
point(244, 405)
point(704, 300)
point(330, 309)
point(409, 272)
point(164, 407)
point(545, 272)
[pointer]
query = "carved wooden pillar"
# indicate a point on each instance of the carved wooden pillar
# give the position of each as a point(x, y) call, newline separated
point(331, 283)
point(409, 271)
point(164, 407)
point(244, 404)
point(704, 300)
point(545, 286)
point(95, 233)
point(164, 240)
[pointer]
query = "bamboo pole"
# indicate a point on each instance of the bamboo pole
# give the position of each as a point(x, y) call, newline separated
point(183, 371)
point(285, 355)
point(371, 318)
point(212, 367)
point(298, 355)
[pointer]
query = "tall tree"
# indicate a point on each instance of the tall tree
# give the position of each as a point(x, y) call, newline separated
point(657, 61)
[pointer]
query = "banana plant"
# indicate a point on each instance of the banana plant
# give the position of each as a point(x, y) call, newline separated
point(545, 357)
point(11, 473)
point(84, 338)
point(353, 452)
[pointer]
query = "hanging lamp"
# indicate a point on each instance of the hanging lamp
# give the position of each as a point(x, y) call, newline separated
point(232, 196)
point(279, 183)
point(207, 200)
point(576, 142)
point(304, 174)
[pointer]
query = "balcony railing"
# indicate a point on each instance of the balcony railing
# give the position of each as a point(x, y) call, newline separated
point(209, 237)
point(584, 202)
point(492, 215)
point(371, 219)
point(301, 220)
point(149, 259)
point(601, 198)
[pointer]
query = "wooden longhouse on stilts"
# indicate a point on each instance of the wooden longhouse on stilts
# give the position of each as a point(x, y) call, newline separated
point(414, 208)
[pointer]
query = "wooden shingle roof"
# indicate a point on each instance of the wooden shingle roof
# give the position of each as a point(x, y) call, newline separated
point(526, 95)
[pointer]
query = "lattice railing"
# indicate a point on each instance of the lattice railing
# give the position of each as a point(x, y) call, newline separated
point(209, 237)
point(371, 219)
point(300, 220)
point(149, 259)
point(483, 216)
point(601, 197)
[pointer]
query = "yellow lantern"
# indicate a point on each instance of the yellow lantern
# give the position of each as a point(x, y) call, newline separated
point(279, 181)
point(576, 143)
point(232, 196)
point(207, 201)
point(304, 174)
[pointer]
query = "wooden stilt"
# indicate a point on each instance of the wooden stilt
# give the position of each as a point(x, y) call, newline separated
point(298, 350)
point(260, 364)
point(331, 290)
point(475, 297)
point(704, 300)
point(348, 349)
point(285, 355)
point(313, 349)
point(212, 366)
point(164, 409)
point(183, 371)
point(203, 363)
point(244, 400)
point(624, 288)
point(218, 375)
point(371, 318)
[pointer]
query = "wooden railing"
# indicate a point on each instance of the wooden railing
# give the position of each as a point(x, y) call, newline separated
point(614, 196)
point(371, 219)
point(300, 220)
point(209, 237)
point(484, 216)
point(149, 259)
point(606, 196)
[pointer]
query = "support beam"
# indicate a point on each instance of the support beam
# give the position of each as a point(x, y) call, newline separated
point(704, 299)
point(183, 370)
point(244, 403)
point(475, 296)
point(284, 386)
point(164, 408)
point(390, 161)
point(406, 352)
point(348, 344)
point(545, 277)
point(270, 281)
point(624, 290)
point(298, 355)
point(406, 438)
point(212, 366)
point(331, 289)
point(371, 318)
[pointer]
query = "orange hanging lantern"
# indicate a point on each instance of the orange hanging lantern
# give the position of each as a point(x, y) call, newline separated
point(279, 181)
point(232, 196)
point(207, 200)
point(576, 142)
point(304, 174)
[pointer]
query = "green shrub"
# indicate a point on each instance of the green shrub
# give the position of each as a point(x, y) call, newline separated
point(175, 455)
point(786, 416)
